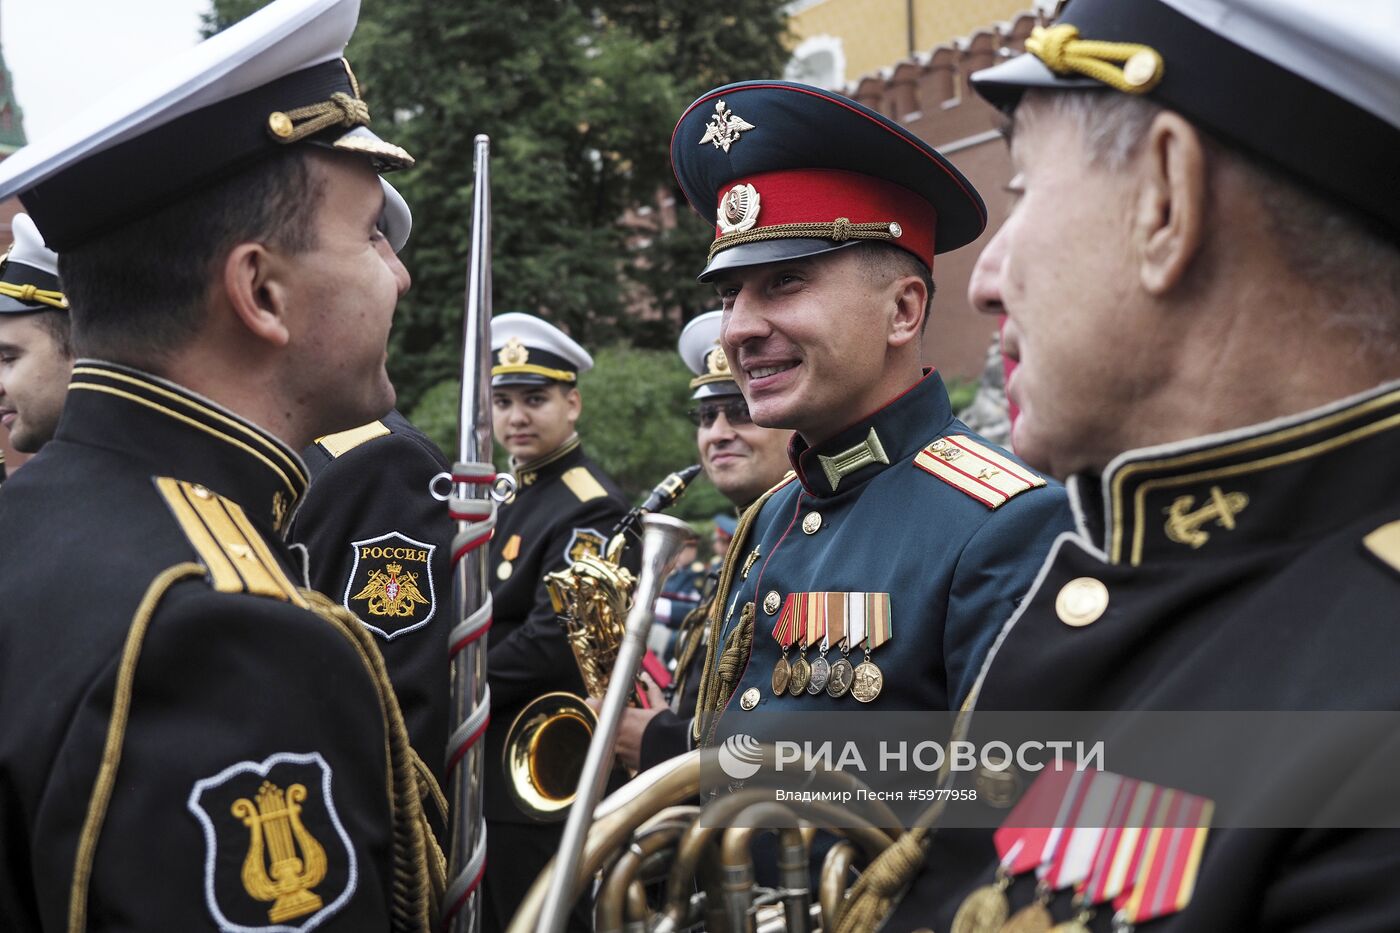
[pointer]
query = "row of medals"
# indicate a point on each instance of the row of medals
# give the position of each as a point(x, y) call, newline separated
point(986, 911)
point(863, 681)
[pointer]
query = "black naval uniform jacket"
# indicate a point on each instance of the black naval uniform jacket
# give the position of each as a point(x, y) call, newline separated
point(954, 559)
point(1291, 603)
point(378, 543)
point(172, 710)
point(564, 506)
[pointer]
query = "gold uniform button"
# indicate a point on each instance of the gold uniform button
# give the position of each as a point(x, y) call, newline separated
point(1081, 601)
point(997, 789)
point(279, 124)
point(504, 570)
point(812, 522)
point(750, 698)
point(1140, 69)
point(771, 602)
point(201, 491)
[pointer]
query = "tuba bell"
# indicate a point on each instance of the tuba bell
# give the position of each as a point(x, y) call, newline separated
point(548, 741)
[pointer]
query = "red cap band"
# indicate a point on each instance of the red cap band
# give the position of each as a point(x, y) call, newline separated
point(803, 196)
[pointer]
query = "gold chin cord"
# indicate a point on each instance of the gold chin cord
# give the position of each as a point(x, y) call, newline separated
point(474, 510)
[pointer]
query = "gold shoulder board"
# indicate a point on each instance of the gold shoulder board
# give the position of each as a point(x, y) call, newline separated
point(231, 549)
point(1384, 542)
point(979, 471)
point(582, 484)
point(340, 444)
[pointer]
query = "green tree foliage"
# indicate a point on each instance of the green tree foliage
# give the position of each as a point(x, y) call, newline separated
point(633, 423)
point(579, 99)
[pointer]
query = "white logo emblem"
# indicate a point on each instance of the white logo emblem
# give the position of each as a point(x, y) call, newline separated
point(740, 756)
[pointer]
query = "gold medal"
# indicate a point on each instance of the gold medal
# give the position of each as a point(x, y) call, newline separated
point(821, 673)
point(868, 681)
point(839, 682)
point(1033, 918)
point(801, 676)
point(781, 673)
point(983, 911)
point(504, 570)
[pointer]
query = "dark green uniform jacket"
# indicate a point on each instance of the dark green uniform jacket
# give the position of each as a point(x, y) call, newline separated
point(176, 718)
point(1256, 570)
point(950, 527)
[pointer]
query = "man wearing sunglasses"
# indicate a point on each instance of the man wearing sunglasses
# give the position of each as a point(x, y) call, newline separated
point(743, 460)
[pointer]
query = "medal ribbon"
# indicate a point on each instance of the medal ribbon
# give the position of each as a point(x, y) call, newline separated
point(835, 618)
point(816, 618)
point(1172, 860)
point(877, 619)
point(1021, 839)
point(1087, 832)
point(855, 620)
point(1096, 886)
point(785, 631)
point(1070, 806)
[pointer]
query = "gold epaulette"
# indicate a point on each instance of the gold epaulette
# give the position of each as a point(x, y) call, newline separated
point(582, 484)
point(981, 472)
point(340, 444)
point(235, 555)
point(1384, 542)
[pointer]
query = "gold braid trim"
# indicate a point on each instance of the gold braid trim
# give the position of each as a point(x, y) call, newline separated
point(30, 294)
point(873, 894)
point(116, 734)
point(839, 231)
point(692, 635)
point(419, 869)
point(340, 110)
point(1063, 52)
point(710, 701)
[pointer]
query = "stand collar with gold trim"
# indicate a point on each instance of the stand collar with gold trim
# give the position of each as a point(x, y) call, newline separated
point(902, 426)
point(550, 465)
point(1293, 478)
point(178, 433)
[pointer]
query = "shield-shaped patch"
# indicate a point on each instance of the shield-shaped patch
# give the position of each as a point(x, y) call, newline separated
point(584, 541)
point(391, 584)
point(277, 858)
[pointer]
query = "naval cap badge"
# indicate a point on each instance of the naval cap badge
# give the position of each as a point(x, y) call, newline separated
point(514, 353)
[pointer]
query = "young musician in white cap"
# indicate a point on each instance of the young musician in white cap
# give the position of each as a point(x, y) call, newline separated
point(192, 741)
point(565, 506)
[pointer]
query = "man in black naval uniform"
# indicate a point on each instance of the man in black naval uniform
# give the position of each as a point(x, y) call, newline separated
point(191, 741)
point(877, 576)
point(378, 542)
point(1202, 283)
point(564, 507)
point(36, 344)
point(743, 460)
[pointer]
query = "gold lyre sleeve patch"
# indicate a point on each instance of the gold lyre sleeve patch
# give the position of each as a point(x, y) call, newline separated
point(277, 852)
point(977, 470)
point(339, 444)
point(1384, 542)
point(237, 557)
point(582, 484)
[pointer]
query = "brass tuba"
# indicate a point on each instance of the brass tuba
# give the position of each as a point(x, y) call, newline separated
point(548, 741)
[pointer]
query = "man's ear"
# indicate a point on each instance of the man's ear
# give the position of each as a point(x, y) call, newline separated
point(256, 292)
point(1172, 201)
point(574, 399)
point(910, 301)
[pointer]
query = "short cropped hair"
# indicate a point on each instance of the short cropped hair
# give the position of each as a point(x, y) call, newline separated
point(885, 263)
point(139, 292)
point(1324, 241)
point(59, 327)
